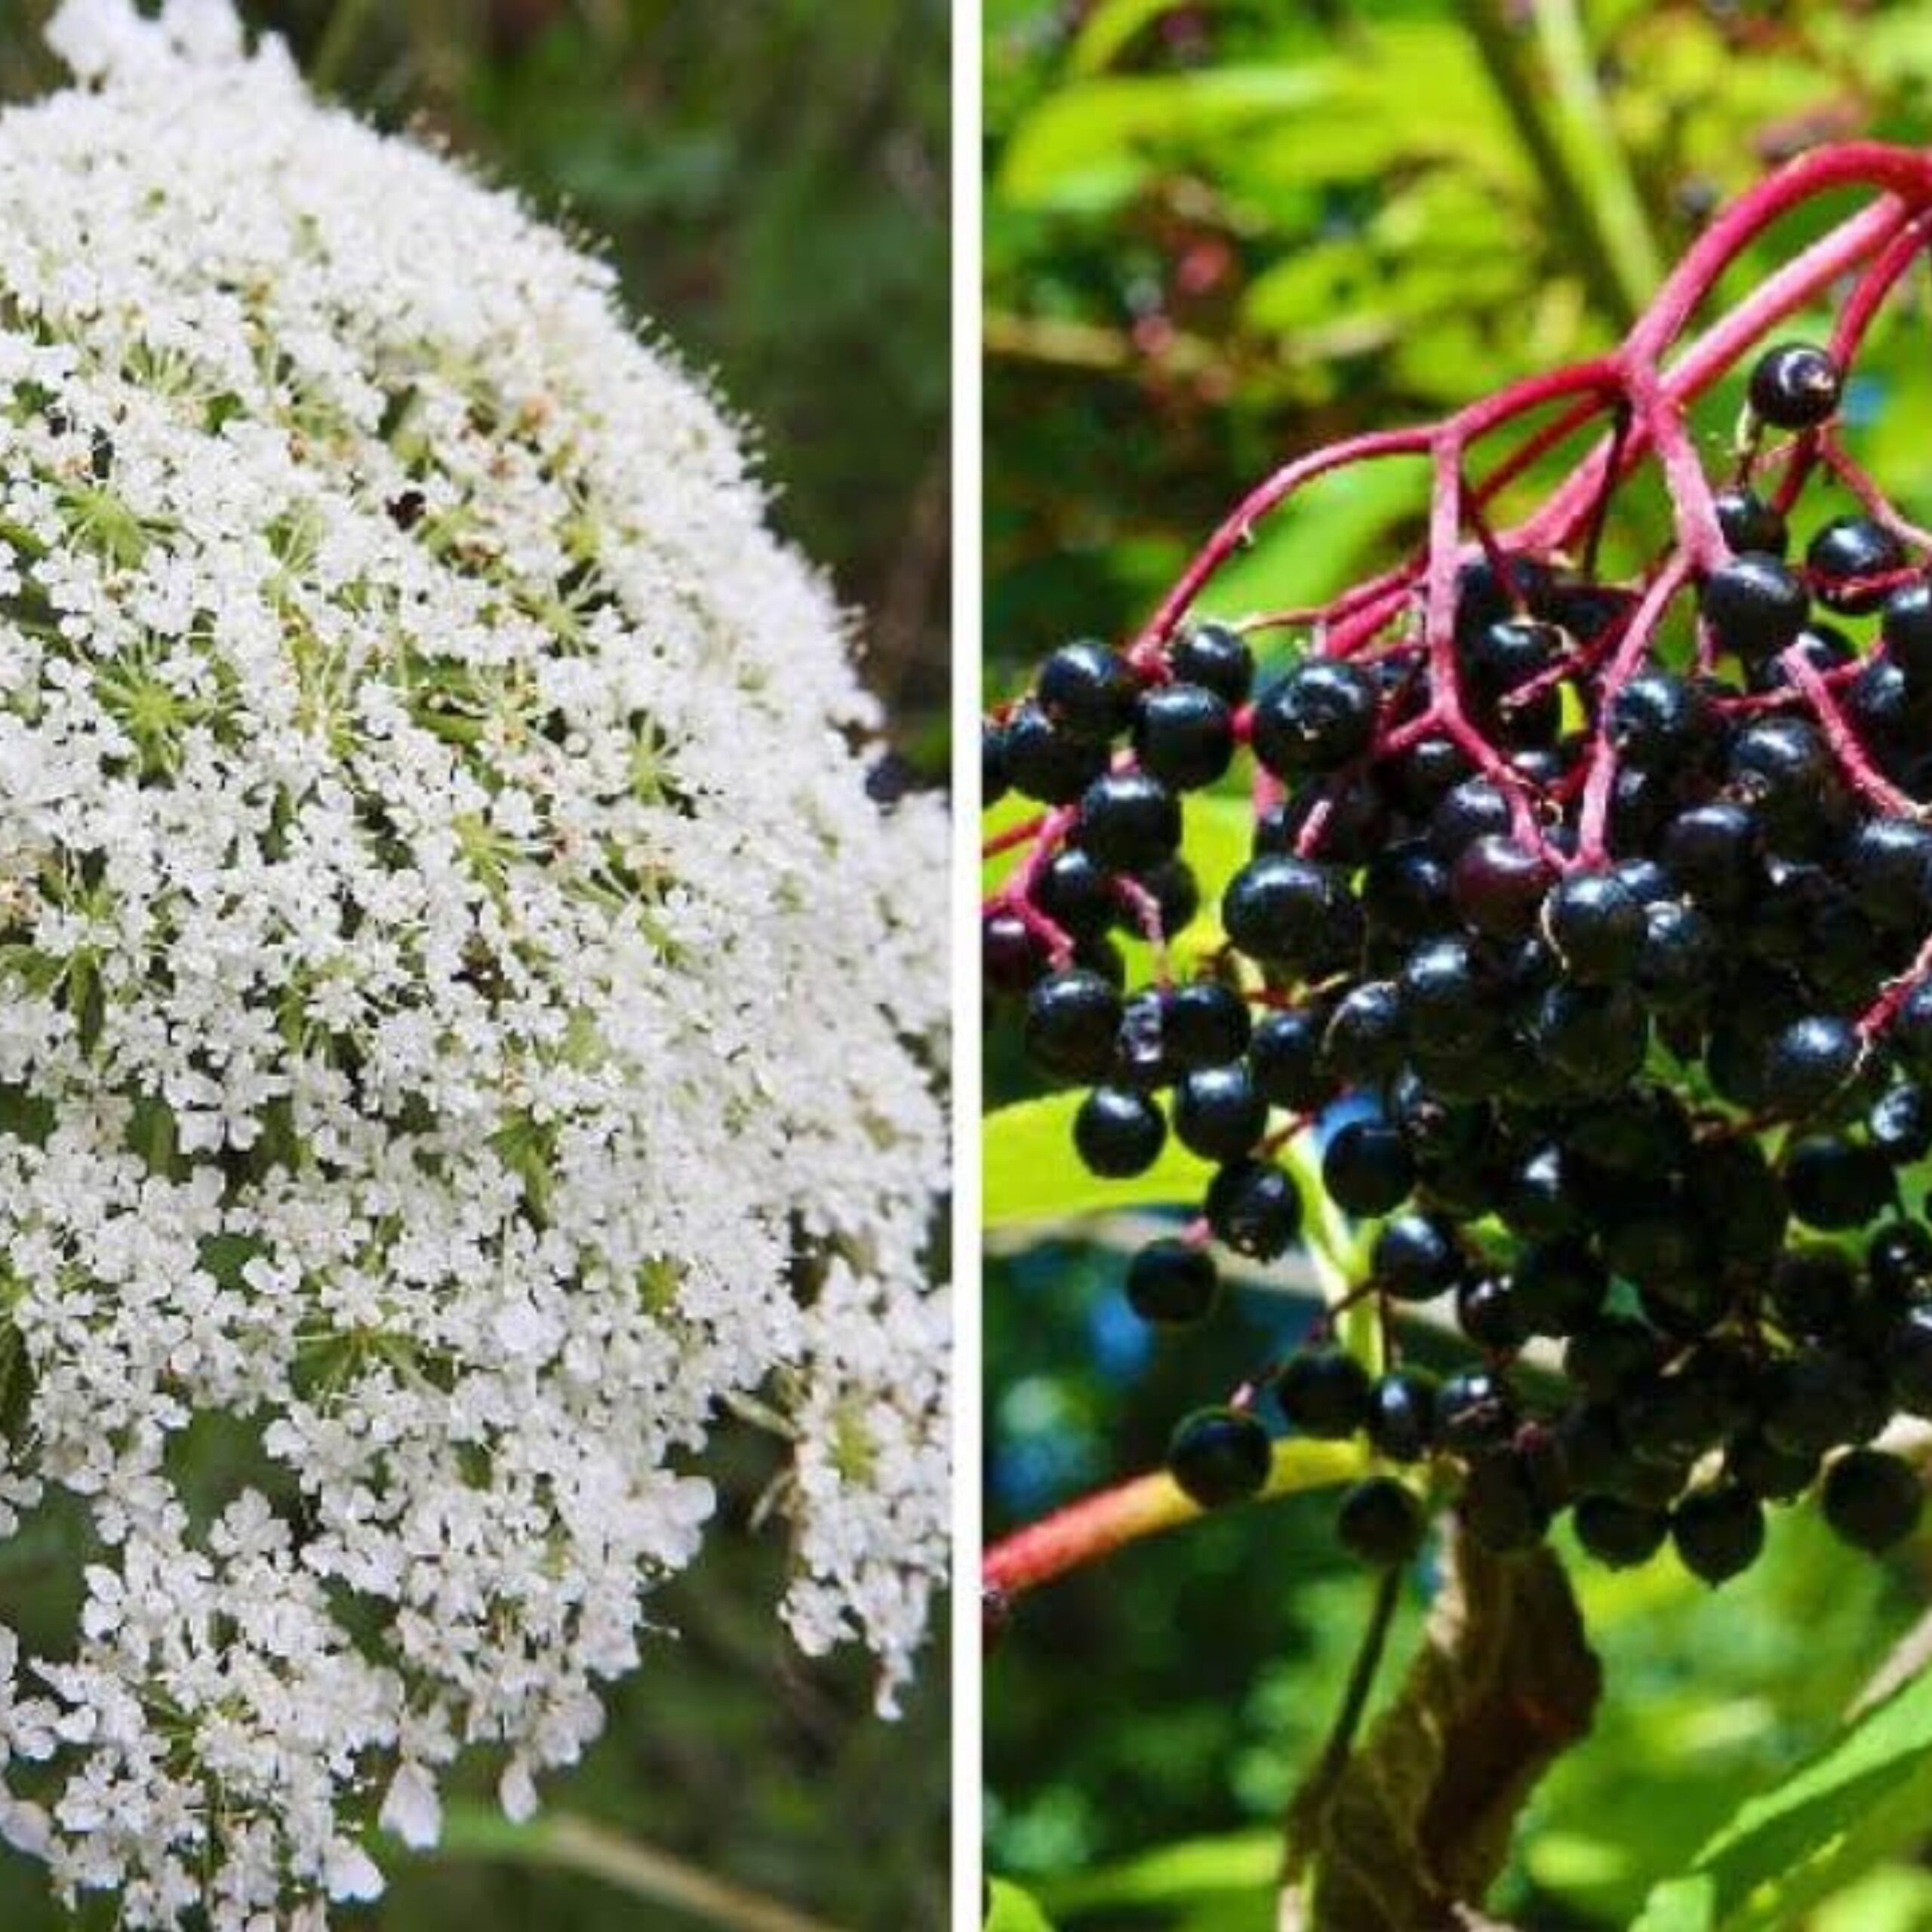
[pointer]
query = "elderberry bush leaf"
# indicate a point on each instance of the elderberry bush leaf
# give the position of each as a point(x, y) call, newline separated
point(1010, 1909)
point(1864, 1796)
point(1418, 1823)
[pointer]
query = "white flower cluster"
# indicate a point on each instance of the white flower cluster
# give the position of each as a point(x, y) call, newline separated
point(462, 1021)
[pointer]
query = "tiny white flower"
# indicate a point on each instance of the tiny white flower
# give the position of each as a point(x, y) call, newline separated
point(455, 981)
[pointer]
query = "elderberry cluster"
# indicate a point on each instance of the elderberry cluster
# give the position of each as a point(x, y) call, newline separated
point(1624, 984)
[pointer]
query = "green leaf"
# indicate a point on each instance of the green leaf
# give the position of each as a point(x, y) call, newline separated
point(1110, 27)
point(1088, 144)
point(1418, 1823)
point(1172, 1876)
point(1866, 1796)
point(1011, 1910)
point(1032, 1173)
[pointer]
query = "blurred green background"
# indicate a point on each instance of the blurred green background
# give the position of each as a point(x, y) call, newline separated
point(770, 177)
point(1218, 234)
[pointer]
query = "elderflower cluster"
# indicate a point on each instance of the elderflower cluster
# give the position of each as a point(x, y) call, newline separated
point(463, 1023)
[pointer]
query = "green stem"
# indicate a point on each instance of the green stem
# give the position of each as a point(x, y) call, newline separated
point(1501, 55)
point(577, 1845)
point(1311, 1802)
point(347, 24)
point(1621, 220)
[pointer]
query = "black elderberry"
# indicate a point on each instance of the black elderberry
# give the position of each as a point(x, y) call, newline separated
point(1812, 1289)
point(1596, 1037)
point(1718, 1531)
point(1183, 734)
point(1416, 1257)
point(994, 779)
point(1288, 912)
point(1205, 1024)
point(1323, 1392)
point(1814, 1400)
point(1795, 385)
point(1176, 894)
point(1872, 1499)
point(1316, 718)
point(1887, 863)
point(1711, 851)
point(1117, 1133)
point(1818, 645)
point(1904, 629)
point(1780, 768)
point(1448, 1004)
point(1075, 893)
point(1419, 778)
point(1364, 1038)
point(1401, 1419)
point(1898, 1262)
point(1088, 689)
point(1560, 1285)
point(1284, 1057)
point(1046, 764)
point(1173, 1282)
point(1011, 957)
point(1611, 1352)
point(1834, 1183)
point(1677, 964)
point(1749, 523)
point(1071, 1020)
point(1487, 589)
point(1658, 722)
point(1405, 893)
point(1754, 605)
point(1909, 1035)
point(1217, 658)
point(1596, 925)
point(1380, 1522)
point(1342, 820)
point(1509, 652)
point(1845, 557)
point(1487, 1313)
point(1542, 1194)
point(1620, 1534)
point(1809, 1062)
point(1669, 1419)
point(1473, 1411)
point(1475, 809)
point(1498, 887)
point(1255, 1208)
point(1731, 1189)
point(1217, 1113)
point(1128, 820)
point(1772, 1475)
point(1219, 1455)
point(1908, 1359)
point(1900, 1124)
point(1367, 1167)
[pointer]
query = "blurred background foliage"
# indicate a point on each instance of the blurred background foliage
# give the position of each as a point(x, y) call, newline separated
point(1218, 234)
point(770, 178)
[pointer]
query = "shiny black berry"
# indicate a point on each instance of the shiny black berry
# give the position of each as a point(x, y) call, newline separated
point(1795, 385)
point(1118, 1132)
point(1754, 605)
point(1401, 1420)
point(1184, 735)
point(1218, 1112)
point(1087, 689)
point(1367, 1168)
point(1809, 1062)
point(1718, 1531)
point(1380, 1522)
point(1284, 1056)
point(1128, 820)
point(1617, 1532)
point(1416, 1257)
point(1219, 1455)
point(1872, 1499)
point(1317, 717)
point(1845, 558)
point(1288, 912)
point(1071, 1020)
point(1323, 1392)
point(1173, 1282)
point(1749, 523)
point(1217, 658)
point(1596, 925)
point(1254, 1207)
